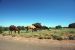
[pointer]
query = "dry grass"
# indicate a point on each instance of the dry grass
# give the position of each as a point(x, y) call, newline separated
point(58, 34)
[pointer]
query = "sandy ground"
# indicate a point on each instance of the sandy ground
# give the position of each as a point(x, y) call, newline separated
point(21, 43)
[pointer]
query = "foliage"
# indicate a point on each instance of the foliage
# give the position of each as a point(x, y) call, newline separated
point(45, 27)
point(72, 25)
point(58, 27)
point(19, 27)
point(56, 34)
point(55, 37)
point(1, 29)
point(22, 28)
point(37, 25)
point(6, 28)
point(50, 27)
point(71, 37)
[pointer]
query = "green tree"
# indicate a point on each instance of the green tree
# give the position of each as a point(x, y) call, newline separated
point(37, 25)
point(72, 25)
point(6, 28)
point(45, 27)
point(1, 29)
point(58, 27)
point(19, 27)
point(22, 28)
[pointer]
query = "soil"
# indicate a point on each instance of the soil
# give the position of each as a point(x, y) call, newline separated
point(39, 44)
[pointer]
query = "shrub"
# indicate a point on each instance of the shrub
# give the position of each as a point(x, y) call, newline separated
point(6, 28)
point(1, 29)
point(13, 35)
point(47, 37)
point(37, 25)
point(71, 37)
point(58, 27)
point(45, 27)
point(71, 31)
point(4, 34)
point(72, 25)
point(40, 37)
point(55, 37)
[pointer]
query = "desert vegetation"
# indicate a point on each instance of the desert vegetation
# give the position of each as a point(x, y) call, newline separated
point(40, 32)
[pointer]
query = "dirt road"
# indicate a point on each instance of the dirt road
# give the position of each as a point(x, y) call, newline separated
point(36, 44)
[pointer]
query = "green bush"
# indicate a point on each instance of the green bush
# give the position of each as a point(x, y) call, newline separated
point(58, 27)
point(72, 25)
point(1, 29)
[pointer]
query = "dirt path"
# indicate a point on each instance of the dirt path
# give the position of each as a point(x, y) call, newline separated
point(18, 43)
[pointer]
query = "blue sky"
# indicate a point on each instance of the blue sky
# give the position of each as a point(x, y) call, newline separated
point(47, 12)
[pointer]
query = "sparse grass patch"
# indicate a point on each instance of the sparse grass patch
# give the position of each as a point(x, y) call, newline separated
point(13, 35)
point(55, 37)
point(56, 34)
point(4, 34)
